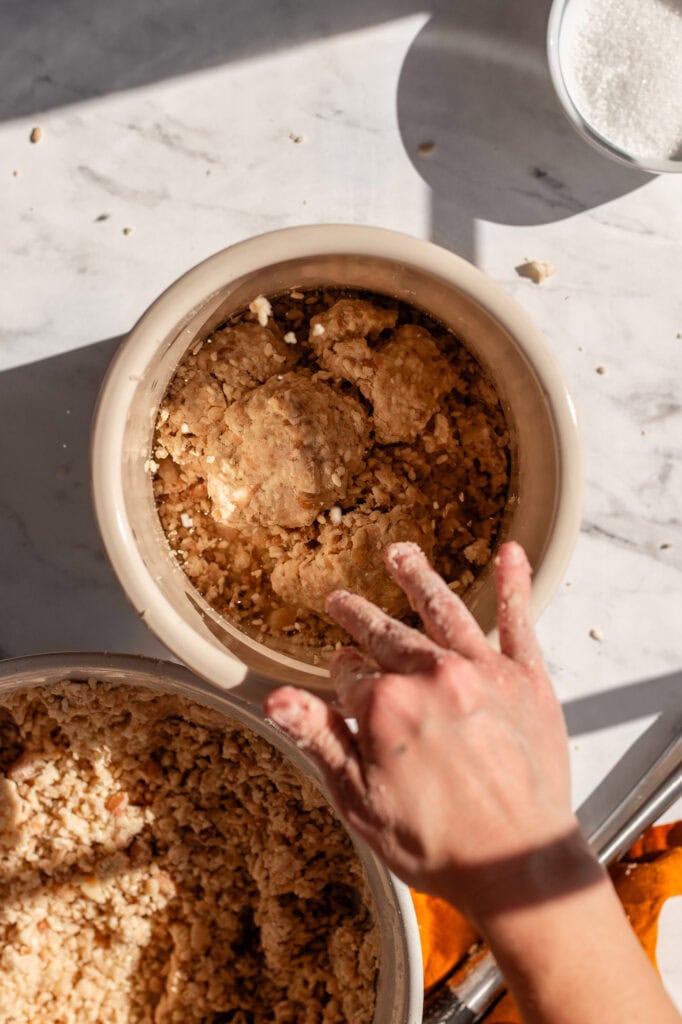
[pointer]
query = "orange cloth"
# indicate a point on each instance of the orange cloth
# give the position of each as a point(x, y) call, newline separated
point(649, 874)
point(446, 936)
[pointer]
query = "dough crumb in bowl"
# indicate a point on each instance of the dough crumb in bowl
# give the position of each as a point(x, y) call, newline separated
point(284, 469)
point(161, 863)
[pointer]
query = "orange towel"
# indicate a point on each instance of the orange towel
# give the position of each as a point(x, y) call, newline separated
point(648, 875)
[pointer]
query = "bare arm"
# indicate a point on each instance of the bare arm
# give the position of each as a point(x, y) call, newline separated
point(458, 776)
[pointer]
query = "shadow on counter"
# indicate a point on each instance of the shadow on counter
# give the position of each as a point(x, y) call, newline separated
point(76, 50)
point(57, 591)
point(659, 696)
point(482, 125)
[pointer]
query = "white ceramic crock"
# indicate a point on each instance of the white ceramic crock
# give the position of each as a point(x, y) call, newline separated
point(547, 483)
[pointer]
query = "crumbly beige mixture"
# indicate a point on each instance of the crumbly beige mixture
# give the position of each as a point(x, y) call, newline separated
point(160, 864)
point(287, 450)
point(404, 381)
point(346, 557)
point(309, 432)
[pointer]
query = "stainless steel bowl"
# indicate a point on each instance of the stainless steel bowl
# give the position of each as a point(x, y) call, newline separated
point(400, 991)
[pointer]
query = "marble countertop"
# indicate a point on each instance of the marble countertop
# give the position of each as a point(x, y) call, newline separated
point(172, 130)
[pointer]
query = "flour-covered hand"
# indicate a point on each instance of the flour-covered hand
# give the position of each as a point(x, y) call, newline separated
point(459, 766)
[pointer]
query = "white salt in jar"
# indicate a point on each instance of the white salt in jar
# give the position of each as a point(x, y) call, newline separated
point(617, 68)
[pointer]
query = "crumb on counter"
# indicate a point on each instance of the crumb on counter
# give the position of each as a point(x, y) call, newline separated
point(36, 134)
point(596, 634)
point(535, 270)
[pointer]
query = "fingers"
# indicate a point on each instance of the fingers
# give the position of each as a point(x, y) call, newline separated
point(394, 646)
point(313, 726)
point(323, 733)
point(446, 618)
point(353, 676)
point(517, 635)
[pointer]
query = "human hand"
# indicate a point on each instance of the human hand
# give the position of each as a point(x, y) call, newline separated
point(459, 767)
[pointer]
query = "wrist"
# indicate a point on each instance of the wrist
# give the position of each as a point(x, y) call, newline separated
point(534, 878)
point(566, 948)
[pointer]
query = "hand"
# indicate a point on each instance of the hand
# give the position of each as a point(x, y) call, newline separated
point(458, 777)
point(459, 767)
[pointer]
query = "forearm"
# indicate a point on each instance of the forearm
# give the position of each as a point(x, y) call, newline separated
point(573, 957)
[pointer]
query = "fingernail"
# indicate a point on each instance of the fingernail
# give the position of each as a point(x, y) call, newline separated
point(515, 552)
point(334, 597)
point(288, 717)
point(286, 708)
point(401, 550)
